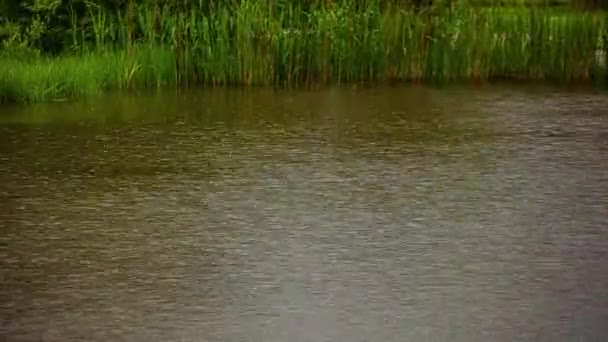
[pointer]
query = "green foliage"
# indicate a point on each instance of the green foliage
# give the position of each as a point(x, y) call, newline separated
point(153, 43)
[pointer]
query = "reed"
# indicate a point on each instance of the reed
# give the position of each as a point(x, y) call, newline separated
point(281, 43)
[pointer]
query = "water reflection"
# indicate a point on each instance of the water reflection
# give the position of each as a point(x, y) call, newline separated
point(350, 214)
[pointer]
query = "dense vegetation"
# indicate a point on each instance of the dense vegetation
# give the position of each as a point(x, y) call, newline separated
point(55, 49)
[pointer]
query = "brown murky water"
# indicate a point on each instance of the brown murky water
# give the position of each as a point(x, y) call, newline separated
point(386, 214)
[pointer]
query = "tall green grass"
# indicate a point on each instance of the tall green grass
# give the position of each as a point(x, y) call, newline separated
point(46, 78)
point(279, 43)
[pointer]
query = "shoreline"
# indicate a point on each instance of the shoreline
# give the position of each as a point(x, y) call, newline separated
point(253, 46)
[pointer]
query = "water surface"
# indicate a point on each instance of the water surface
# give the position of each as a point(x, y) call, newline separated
point(386, 214)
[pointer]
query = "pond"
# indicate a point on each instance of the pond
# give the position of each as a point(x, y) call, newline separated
point(408, 213)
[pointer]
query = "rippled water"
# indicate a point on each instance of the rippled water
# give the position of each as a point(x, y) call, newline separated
point(386, 214)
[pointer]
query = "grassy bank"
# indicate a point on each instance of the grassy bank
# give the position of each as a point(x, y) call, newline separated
point(253, 43)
